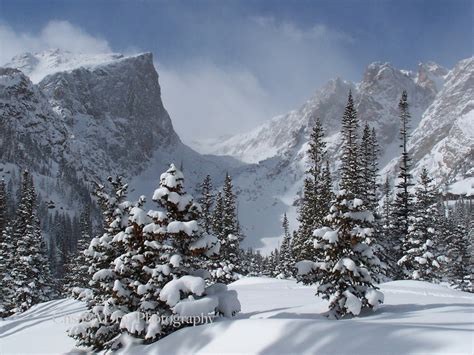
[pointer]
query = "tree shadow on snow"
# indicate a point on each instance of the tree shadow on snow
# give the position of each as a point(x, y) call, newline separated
point(249, 315)
point(397, 311)
point(39, 314)
point(345, 337)
point(190, 344)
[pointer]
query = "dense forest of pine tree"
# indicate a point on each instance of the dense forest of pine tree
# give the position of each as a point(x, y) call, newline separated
point(133, 265)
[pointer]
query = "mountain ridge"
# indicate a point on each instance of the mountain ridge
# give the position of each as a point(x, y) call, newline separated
point(108, 118)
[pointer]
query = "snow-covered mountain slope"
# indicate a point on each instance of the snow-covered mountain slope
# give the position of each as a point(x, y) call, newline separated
point(376, 98)
point(417, 317)
point(282, 134)
point(441, 109)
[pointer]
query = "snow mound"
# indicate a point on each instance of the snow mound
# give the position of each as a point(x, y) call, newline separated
point(186, 284)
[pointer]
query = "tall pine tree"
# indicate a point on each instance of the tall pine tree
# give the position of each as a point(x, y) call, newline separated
point(403, 204)
point(350, 165)
point(30, 272)
point(225, 226)
point(3, 205)
point(303, 236)
point(316, 197)
point(347, 267)
point(369, 167)
point(76, 278)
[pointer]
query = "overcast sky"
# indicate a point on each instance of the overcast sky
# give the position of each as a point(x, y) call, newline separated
point(225, 66)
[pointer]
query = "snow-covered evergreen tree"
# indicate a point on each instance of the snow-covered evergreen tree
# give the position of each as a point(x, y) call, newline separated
point(421, 258)
point(76, 279)
point(350, 164)
point(99, 328)
point(285, 267)
point(386, 240)
point(226, 227)
point(314, 205)
point(101, 253)
point(369, 167)
point(275, 261)
point(459, 236)
point(30, 269)
point(345, 274)
point(6, 262)
point(206, 201)
point(3, 205)
point(303, 237)
point(403, 204)
point(253, 262)
point(346, 266)
point(157, 278)
point(230, 222)
point(316, 155)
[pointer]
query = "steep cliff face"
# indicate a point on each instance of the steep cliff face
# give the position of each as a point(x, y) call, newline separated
point(31, 134)
point(113, 113)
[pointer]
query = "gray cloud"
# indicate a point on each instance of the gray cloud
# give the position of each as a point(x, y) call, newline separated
point(276, 67)
point(208, 101)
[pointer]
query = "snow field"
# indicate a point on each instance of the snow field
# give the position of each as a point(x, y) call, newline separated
point(282, 317)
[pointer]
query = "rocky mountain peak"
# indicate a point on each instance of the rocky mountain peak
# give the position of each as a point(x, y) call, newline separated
point(431, 75)
point(14, 84)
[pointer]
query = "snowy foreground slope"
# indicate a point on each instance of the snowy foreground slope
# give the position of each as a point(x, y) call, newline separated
point(282, 317)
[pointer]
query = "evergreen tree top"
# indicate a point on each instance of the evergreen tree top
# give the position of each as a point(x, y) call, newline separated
point(426, 194)
point(173, 178)
point(317, 149)
point(403, 104)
